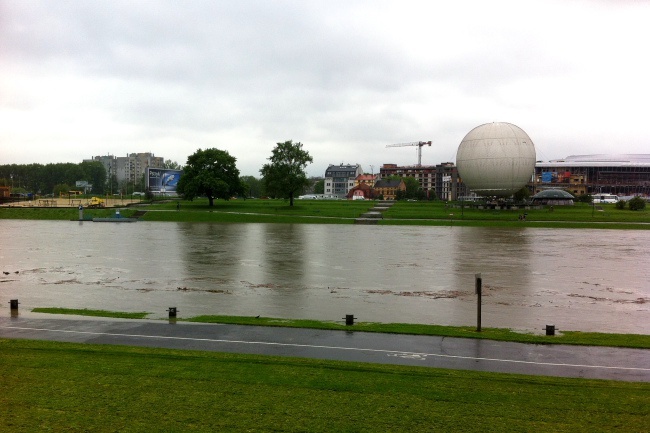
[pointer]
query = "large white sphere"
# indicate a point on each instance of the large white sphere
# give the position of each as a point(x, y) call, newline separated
point(496, 159)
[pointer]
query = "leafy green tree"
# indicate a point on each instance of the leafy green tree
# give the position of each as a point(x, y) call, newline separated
point(252, 186)
point(61, 188)
point(319, 187)
point(412, 191)
point(212, 173)
point(285, 175)
point(522, 195)
point(412, 187)
point(637, 203)
point(95, 174)
point(172, 165)
point(111, 186)
point(584, 198)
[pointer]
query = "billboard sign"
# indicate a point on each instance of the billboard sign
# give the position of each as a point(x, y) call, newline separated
point(163, 180)
point(549, 176)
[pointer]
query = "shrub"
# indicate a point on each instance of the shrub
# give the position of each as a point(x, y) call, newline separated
point(584, 198)
point(637, 203)
point(620, 204)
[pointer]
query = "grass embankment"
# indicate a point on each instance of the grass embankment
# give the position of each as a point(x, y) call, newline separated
point(92, 313)
point(60, 213)
point(579, 216)
point(51, 386)
point(345, 211)
point(499, 334)
point(567, 337)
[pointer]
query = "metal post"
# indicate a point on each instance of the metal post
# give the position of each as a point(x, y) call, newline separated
point(478, 283)
point(550, 330)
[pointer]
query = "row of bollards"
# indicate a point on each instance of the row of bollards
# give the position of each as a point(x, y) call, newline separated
point(349, 318)
point(173, 312)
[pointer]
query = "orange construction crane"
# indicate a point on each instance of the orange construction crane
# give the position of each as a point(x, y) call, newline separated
point(419, 144)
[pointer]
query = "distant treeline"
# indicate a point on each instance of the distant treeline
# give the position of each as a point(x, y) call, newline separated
point(45, 179)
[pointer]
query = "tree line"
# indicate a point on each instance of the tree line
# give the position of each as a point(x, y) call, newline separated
point(210, 173)
point(50, 178)
point(213, 173)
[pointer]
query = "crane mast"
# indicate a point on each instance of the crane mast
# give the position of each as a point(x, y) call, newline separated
point(419, 144)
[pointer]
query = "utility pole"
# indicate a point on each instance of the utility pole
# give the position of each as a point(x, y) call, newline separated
point(478, 283)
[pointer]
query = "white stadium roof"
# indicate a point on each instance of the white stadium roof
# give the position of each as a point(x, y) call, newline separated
point(600, 160)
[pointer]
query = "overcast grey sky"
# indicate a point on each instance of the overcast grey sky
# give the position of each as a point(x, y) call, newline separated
point(80, 78)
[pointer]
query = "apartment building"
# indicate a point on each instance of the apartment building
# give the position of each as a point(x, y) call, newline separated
point(340, 179)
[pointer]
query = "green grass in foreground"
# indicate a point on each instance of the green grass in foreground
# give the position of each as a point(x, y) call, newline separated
point(568, 337)
point(58, 387)
point(93, 313)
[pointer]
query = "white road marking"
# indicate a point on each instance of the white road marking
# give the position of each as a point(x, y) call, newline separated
point(399, 353)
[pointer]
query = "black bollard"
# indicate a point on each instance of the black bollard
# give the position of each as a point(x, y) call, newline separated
point(550, 329)
point(349, 319)
point(172, 312)
point(13, 304)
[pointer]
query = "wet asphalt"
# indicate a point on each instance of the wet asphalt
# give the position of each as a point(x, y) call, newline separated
point(423, 351)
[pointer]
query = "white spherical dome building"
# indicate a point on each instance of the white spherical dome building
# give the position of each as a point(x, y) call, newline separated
point(496, 159)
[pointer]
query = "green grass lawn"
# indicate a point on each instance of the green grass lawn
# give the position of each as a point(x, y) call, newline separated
point(65, 387)
point(92, 313)
point(345, 211)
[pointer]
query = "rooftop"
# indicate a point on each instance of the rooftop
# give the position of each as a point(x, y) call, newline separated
point(600, 160)
point(557, 194)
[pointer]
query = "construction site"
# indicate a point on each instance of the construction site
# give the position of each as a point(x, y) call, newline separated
point(74, 201)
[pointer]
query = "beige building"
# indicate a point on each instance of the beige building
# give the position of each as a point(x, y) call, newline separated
point(388, 188)
point(365, 179)
point(129, 169)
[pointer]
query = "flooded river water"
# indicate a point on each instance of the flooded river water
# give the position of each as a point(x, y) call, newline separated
point(588, 280)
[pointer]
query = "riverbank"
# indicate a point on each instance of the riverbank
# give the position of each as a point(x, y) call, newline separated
point(434, 213)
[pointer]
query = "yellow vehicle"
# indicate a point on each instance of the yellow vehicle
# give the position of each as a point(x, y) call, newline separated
point(96, 202)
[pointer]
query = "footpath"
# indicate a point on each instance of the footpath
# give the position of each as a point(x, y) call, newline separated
point(426, 351)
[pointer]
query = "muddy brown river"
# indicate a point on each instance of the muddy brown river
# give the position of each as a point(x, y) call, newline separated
point(587, 280)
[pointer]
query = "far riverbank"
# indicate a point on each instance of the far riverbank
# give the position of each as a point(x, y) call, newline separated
point(435, 213)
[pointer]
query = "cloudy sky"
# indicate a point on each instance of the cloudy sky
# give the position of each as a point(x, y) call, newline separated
point(80, 78)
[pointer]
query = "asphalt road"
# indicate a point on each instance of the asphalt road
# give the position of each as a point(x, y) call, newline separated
point(423, 351)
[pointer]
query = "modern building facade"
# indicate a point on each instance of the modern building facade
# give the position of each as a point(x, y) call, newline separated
point(340, 179)
point(622, 175)
point(449, 186)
